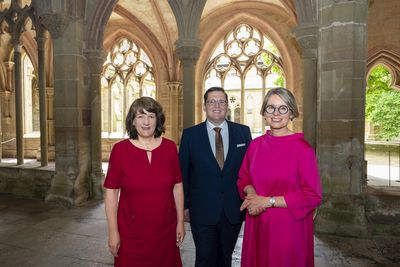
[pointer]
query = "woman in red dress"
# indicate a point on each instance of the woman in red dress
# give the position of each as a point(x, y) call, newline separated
point(144, 193)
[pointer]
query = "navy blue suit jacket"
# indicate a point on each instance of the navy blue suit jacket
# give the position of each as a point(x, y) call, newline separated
point(208, 189)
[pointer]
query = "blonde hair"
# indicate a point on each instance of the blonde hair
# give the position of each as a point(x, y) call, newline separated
point(286, 96)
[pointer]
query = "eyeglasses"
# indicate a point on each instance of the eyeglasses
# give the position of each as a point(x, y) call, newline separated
point(281, 109)
point(214, 102)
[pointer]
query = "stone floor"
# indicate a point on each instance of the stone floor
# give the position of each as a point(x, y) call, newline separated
point(34, 233)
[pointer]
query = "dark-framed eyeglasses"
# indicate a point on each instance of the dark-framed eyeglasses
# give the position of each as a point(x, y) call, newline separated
point(214, 102)
point(281, 109)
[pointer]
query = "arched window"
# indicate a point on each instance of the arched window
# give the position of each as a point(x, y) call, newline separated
point(245, 63)
point(30, 96)
point(382, 107)
point(127, 75)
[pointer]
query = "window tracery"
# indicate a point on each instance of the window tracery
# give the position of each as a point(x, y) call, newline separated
point(127, 75)
point(245, 63)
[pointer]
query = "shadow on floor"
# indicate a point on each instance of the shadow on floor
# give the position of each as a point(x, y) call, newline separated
point(34, 233)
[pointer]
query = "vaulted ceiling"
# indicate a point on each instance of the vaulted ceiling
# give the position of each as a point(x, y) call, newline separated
point(158, 16)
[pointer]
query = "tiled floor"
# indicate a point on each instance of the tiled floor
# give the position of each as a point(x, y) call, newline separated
point(33, 233)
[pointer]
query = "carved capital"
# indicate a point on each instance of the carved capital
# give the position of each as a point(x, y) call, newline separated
point(9, 65)
point(175, 88)
point(55, 23)
point(188, 50)
point(306, 35)
point(95, 58)
point(41, 38)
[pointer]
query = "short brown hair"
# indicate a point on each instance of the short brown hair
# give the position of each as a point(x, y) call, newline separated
point(214, 89)
point(286, 96)
point(138, 107)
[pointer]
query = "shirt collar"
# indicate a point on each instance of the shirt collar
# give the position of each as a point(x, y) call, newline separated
point(211, 126)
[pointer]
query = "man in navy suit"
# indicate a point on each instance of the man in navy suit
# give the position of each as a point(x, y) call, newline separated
point(210, 171)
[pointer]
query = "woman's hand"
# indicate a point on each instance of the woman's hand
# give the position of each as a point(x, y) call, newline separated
point(180, 233)
point(113, 243)
point(254, 204)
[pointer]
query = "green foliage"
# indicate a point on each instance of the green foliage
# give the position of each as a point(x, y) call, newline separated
point(383, 104)
point(280, 81)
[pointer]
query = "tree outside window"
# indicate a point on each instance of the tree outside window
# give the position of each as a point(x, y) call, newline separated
point(383, 104)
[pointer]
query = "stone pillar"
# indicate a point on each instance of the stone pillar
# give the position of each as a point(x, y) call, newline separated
point(306, 34)
point(188, 53)
point(96, 60)
point(19, 119)
point(175, 91)
point(340, 121)
point(41, 41)
point(70, 185)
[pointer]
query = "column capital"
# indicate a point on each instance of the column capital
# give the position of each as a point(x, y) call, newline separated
point(175, 88)
point(16, 44)
point(9, 65)
point(41, 38)
point(188, 49)
point(95, 58)
point(55, 23)
point(307, 37)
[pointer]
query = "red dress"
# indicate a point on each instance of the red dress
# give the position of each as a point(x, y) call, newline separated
point(146, 210)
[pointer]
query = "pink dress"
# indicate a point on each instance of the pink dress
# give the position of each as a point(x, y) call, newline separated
point(146, 210)
point(281, 166)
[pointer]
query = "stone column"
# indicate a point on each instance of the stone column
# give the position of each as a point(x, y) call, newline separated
point(41, 41)
point(19, 119)
point(188, 53)
point(70, 185)
point(175, 91)
point(306, 34)
point(96, 60)
point(340, 121)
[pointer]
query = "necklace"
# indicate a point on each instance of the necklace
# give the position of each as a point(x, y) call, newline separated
point(147, 146)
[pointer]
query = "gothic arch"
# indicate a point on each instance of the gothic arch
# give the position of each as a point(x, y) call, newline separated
point(97, 23)
point(151, 47)
point(277, 32)
point(389, 59)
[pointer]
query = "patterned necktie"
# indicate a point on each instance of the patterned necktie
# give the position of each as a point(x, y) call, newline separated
point(219, 147)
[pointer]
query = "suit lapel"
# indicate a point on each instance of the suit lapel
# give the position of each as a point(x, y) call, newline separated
point(232, 142)
point(205, 143)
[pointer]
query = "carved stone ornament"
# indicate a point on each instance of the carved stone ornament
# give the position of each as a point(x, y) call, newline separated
point(55, 23)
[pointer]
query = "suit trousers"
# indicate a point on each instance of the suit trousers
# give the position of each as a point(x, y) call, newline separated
point(215, 243)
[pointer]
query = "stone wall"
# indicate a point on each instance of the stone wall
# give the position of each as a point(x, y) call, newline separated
point(26, 182)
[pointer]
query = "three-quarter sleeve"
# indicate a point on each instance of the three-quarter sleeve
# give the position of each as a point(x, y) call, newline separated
point(114, 172)
point(244, 178)
point(176, 166)
point(302, 202)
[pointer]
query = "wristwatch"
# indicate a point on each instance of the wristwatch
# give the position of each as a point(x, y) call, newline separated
point(272, 201)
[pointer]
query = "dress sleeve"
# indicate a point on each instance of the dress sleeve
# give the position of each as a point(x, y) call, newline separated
point(114, 172)
point(176, 166)
point(302, 202)
point(244, 174)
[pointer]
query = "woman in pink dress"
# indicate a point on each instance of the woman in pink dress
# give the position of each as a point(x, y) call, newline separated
point(280, 185)
point(144, 193)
